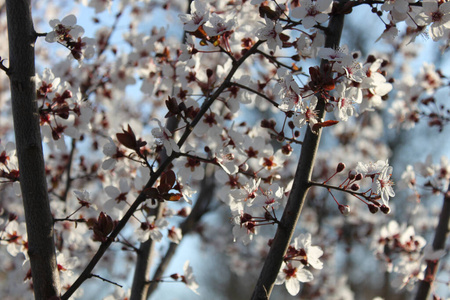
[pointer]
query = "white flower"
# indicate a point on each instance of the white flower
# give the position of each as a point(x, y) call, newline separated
point(437, 13)
point(199, 15)
point(218, 25)
point(164, 137)
point(15, 237)
point(308, 114)
point(151, 229)
point(110, 149)
point(292, 273)
point(271, 33)
point(189, 279)
point(312, 12)
point(383, 184)
point(346, 98)
point(175, 235)
point(312, 253)
point(371, 169)
point(63, 28)
point(100, 5)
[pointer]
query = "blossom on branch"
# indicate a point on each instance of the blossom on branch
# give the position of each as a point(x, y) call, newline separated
point(291, 274)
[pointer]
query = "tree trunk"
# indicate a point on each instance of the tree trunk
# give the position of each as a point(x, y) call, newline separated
point(440, 237)
point(39, 220)
point(300, 187)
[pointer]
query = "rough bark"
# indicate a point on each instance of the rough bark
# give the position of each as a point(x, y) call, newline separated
point(39, 220)
point(201, 207)
point(144, 262)
point(440, 237)
point(300, 187)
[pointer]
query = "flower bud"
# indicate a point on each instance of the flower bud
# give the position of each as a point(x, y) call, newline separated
point(352, 174)
point(354, 187)
point(287, 149)
point(385, 209)
point(373, 209)
point(344, 209)
point(340, 167)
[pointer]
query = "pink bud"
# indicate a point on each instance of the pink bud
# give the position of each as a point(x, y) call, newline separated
point(344, 209)
point(340, 167)
point(352, 174)
point(354, 187)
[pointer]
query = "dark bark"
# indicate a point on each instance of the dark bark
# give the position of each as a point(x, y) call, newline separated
point(201, 207)
point(300, 187)
point(39, 220)
point(146, 249)
point(440, 237)
point(144, 262)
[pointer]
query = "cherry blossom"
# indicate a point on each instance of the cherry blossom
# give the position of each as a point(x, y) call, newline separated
point(383, 184)
point(100, 5)
point(308, 114)
point(151, 229)
point(291, 274)
point(198, 17)
point(271, 33)
point(312, 12)
point(175, 235)
point(312, 253)
point(67, 26)
point(226, 91)
point(438, 14)
point(189, 279)
point(346, 98)
point(164, 137)
point(118, 200)
point(14, 236)
point(217, 25)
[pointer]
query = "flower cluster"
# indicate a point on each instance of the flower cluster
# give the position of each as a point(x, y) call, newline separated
point(154, 120)
point(404, 253)
point(300, 255)
point(67, 33)
point(61, 109)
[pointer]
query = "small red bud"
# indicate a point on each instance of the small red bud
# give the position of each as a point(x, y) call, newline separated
point(354, 187)
point(352, 174)
point(358, 177)
point(286, 149)
point(385, 209)
point(340, 167)
point(344, 209)
point(291, 125)
point(373, 209)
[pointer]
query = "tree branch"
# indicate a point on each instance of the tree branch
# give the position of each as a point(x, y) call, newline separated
point(146, 249)
point(41, 245)
point(200, 208)
point(440, 237)
point(300, 187)
point(142, 197)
